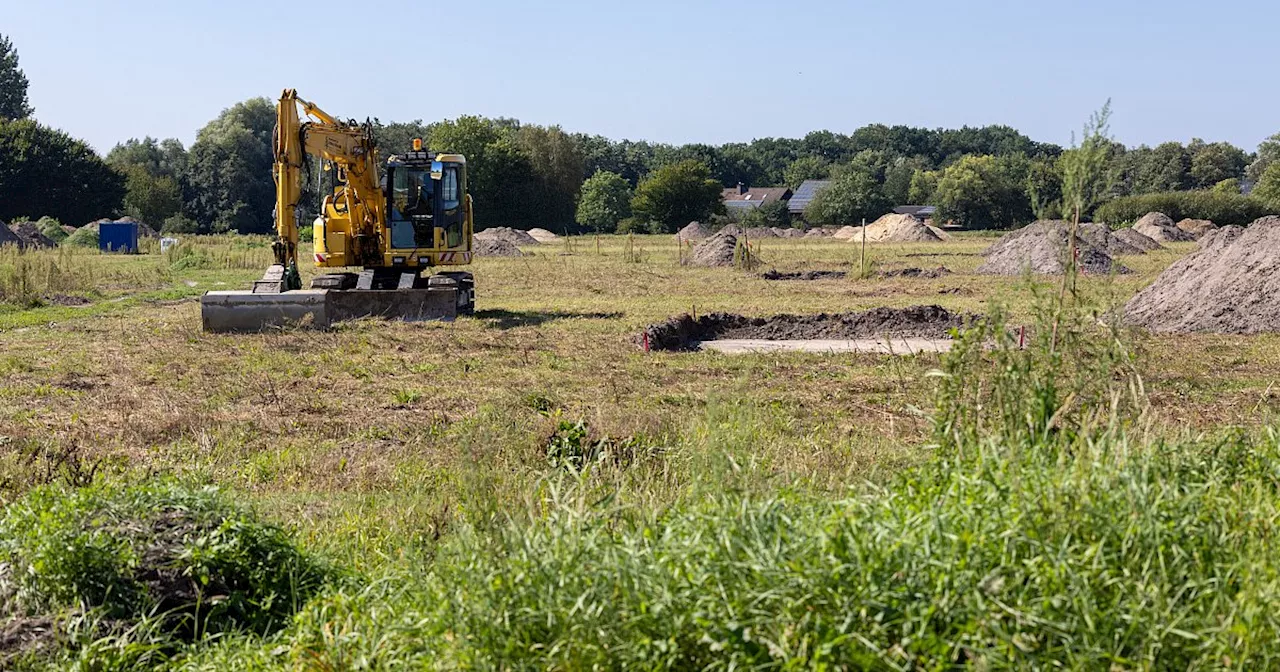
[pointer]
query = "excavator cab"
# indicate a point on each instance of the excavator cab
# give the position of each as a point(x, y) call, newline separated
point(425, 204)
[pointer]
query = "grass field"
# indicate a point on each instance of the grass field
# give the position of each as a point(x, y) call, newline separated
point(413, 456)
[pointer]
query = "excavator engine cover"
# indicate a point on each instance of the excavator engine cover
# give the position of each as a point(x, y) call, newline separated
point(246, 311)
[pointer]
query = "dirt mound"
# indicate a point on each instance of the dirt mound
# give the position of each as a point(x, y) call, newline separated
point(894, 228)
point(684, 332)
point(1230, 285)
point(1159, 227)
point(69, 229)
point(508, 234)
point(718, 250)
point(846, 232)
point(804, 275)
point(818, 233)
point(144, 231)
point(694, 231)
point(8, 237)
point(1101, 237)
point(543, 236)
point(1196, 227)
point(788, 233)
point(495, 247)
point(913, 272)
point(30, 234)
point(761, 232)
point(1137, 240)
point(942, 235)
point(1043, 247)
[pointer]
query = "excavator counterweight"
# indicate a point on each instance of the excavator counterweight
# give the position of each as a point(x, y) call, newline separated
point(384, 227)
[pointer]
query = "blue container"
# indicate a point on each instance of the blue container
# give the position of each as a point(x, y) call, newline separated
point(118, 237)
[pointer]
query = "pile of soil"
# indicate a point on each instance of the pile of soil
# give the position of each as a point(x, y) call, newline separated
point(1137, 240)
point(846, 232)
point(684, 332)
point(1230, 285)
point(1159, 227)
point(694, 231)
point(893, 228)
point(717, 250)
point(1101, 236)
point(804, 275)
point(1196, 227)
point(788, 233)
point(1043, 247)
point(818, 233)
point(495, 247)
point(8, 237)
point(69, 229)
point(543, 236)
point(761, 232)
point(31, 237)
point(913, 272)
point(144, 231)
point(507, 234)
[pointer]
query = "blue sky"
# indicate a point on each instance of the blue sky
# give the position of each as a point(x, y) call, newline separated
point(662, 70)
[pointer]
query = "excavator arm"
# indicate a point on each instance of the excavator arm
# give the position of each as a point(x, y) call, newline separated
point(349, 148)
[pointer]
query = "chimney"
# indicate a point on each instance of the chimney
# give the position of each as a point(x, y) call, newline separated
point(742, 188)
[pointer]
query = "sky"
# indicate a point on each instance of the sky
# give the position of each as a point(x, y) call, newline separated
point(662, 70)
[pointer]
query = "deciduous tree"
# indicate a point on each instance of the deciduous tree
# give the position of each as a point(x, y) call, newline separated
point(606, 200)
point(983, 192)
point(44, 171)
point(854, 194)
point(675, 195)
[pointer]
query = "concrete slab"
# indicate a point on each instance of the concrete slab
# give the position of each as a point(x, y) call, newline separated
point(891, 346)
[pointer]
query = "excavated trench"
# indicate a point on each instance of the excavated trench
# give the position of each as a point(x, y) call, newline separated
point(877, 330)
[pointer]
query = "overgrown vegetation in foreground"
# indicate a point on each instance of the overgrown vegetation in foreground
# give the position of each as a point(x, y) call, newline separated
point(1047, 529)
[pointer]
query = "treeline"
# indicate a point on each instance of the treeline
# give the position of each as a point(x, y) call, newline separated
point(526, 175)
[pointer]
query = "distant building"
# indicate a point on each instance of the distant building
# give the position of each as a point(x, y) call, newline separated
point(921, 212)
point(804, 194)
point(747, 198)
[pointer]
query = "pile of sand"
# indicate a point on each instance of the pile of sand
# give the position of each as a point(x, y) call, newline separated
point(30, 234)
point(717, 250)
point(893, 228)
point(846, 232)
point(1103, 238)
point(1196, 227)
point(1159, 227)
point(694, 231)
point(1230, 285)
point(1137, 240)
point(818, 233)
point(1043, 247)
point(508, 234)
point(495, 247)
point(543, 236)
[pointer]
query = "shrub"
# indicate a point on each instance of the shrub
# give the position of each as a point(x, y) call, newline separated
point(186, 556)
point(1220, 208)
point(83, 237)
point(180, 224)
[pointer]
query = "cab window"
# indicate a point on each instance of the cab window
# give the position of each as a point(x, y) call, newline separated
point(449, 199)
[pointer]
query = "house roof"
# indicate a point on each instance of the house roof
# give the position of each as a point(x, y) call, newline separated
point(804, 194)
point(916, 210)
point(757, 195)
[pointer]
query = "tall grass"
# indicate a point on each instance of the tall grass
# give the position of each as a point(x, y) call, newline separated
point(30, 277)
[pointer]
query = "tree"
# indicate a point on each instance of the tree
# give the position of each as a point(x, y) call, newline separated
point(149, 198)
point(47, 172)
point(557, 164)
point(1167, 167)
point(853, 195)
point(1214, 162)
point(500, 173)
point(13, 84)
point(982, 192)
point(227, 185)
point(1268, 153)
point(1267, 189)
point(805, 168)
point(677, 194)
point(398, 137)
point(897, 178)
point(1228, 186)
point(1087, 178)
point(606, 200)
point(924, 183)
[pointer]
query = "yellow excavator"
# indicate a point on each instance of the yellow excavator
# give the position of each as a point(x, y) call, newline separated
point(395, 227)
